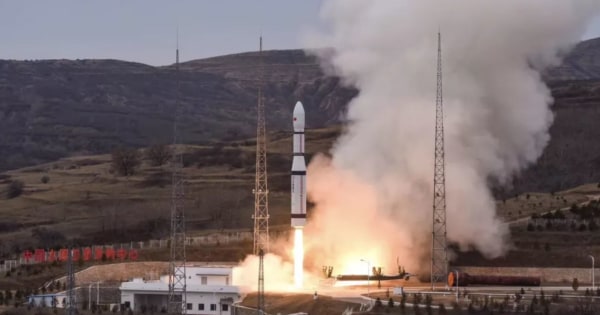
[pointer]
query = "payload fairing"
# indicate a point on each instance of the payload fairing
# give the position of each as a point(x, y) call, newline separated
point(298, 169)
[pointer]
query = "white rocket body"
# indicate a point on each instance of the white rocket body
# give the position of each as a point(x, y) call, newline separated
point(298, 169)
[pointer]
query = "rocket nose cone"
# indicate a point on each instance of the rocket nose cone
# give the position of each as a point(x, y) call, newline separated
point(298, 117)
point(299, 108)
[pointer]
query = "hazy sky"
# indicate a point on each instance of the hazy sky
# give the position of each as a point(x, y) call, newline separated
point(144, 30)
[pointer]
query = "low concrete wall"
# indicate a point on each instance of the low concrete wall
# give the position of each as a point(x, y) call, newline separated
point(242, 310)
point(548, 275)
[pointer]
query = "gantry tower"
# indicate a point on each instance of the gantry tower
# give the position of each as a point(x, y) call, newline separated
point(439, 256)
point(261, 191)
point(177, 277)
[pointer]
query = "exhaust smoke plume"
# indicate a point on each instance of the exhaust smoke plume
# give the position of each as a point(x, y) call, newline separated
point(374, 196)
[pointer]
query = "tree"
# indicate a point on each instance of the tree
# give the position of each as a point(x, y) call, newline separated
point(403, 302)
point(575, 284)
point(428, 301)
point(125, 161)
point(542, 296)
point(471, 309)
point(378, 273)
point(593, 226)
point(158, 154)
point(442, 309)
point(15, 189)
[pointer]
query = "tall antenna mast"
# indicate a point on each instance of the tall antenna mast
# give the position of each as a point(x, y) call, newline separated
point(177, 285)
point(71, 308)
point(261, 283)
point(439, 256)
point(261, 192)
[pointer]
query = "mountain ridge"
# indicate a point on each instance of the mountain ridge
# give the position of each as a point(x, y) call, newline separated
point(56, 108)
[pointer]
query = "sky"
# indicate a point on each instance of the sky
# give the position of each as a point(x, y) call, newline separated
point(145, 30)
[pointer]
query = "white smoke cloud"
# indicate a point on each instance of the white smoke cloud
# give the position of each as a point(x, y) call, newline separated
point(374, 197)
point(278, 274)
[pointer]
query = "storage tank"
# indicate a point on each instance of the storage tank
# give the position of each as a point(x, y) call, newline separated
point(465, 279)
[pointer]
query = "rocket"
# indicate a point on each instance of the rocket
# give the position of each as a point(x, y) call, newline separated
point(298, 170)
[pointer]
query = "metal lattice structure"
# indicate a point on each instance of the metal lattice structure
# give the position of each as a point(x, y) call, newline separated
point(439, 256)
point(260, 307)
point(177, 277)
point(71, 307)
point(261, 191)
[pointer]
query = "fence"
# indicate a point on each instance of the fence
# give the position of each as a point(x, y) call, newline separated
point(96, 251)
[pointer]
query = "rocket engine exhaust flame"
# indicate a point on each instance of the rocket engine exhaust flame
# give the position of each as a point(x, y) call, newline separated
point(298, 257)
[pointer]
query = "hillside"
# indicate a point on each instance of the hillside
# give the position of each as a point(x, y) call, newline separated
point(52, 109)
point(583, 63)
point(83, 200)
point(57, 108)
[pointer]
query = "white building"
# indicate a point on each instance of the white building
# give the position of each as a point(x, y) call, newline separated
point(209, 291)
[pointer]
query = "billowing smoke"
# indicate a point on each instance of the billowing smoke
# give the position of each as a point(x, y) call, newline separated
point(279, 273)
point(374, 196)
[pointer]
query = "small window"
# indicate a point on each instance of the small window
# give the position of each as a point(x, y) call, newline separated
point(213, 307)
point(201, 307)
point(203, 280)
point(189, 306)
point(225, 307)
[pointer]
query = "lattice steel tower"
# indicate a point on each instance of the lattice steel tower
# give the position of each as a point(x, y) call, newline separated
point(261, 191)
point(71, 308)
point(177, 278)
point(260, 307)
point(439, 256)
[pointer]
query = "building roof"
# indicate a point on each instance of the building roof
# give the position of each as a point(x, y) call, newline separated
point(159, 287)
point(208, 271)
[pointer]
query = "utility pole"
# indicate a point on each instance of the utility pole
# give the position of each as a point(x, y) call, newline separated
point(439, 256)
point(71, 307)
point(261, 191)
point(177, 277)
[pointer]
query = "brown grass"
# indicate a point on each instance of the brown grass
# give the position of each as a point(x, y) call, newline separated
point(83, 196)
